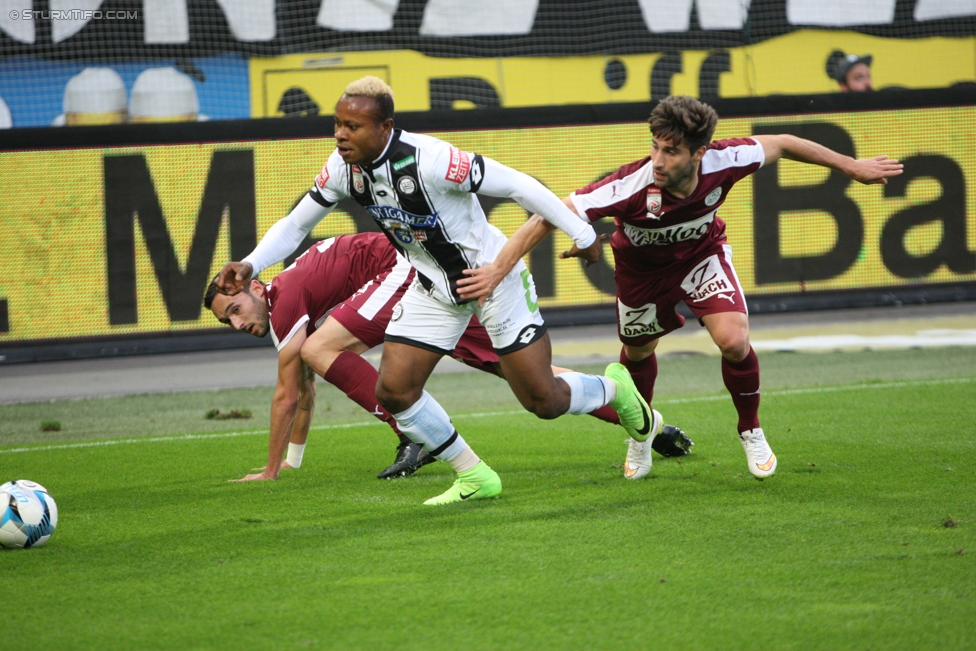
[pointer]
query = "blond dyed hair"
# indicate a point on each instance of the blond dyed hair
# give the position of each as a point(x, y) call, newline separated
point(378, 90)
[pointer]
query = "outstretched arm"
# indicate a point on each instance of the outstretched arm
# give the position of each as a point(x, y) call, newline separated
point(864, 170)
point(502, 181)
point(284, 406)
point(481, 282)
point(280, 240)
point(549, 213)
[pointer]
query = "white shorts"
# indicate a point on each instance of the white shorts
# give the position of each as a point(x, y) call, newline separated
point(427, 319)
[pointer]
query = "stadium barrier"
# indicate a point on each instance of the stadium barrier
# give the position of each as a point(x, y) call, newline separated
point(112, 233)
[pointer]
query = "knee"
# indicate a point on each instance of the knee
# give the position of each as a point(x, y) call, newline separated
point(545, 410)
point(735, 348)
point(394, 399)
point(546, 406)
point(639, 353)
point(387, 397)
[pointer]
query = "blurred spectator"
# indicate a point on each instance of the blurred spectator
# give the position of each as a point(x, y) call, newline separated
point(852, 72)
point(93, 96)
point(164, 95)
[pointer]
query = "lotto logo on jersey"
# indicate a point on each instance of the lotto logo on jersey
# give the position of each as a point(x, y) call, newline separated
point(709, 280)
point(653, 202)
point(323, 177)
point(459, 166)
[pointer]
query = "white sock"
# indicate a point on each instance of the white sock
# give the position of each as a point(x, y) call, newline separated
point(295, 454)
point(466, 460)
point(587, 392)
point(425, 422)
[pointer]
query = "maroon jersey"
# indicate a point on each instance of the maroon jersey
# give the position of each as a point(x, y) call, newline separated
point(657, 231)
point(324, 276)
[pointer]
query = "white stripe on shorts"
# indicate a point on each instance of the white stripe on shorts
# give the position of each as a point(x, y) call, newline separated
point(385, 290)
point(727, 251)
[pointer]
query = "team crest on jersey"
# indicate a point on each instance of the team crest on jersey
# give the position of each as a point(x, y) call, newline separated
point(357, 180)
point(402, 232)
point(406, 185)
point(323, 177)
point(653, 202)
point(713, 196)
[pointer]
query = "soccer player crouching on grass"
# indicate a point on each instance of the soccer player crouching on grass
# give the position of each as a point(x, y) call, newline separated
point(420, 190)
point(323, 312)
point(670, 246)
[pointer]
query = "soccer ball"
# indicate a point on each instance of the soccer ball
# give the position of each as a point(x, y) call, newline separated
point(28, 514)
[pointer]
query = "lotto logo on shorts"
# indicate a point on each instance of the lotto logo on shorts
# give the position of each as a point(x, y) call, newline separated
point(707, 280)
point(459, 166)
point(638, 321)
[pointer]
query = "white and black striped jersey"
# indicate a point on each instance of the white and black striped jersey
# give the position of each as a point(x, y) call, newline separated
point(421, 193)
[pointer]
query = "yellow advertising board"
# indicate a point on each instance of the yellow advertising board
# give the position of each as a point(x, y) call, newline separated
point(123, 240)
point(791, 64)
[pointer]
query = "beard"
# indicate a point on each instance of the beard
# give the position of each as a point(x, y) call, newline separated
point(679, 177)
point(263, 317)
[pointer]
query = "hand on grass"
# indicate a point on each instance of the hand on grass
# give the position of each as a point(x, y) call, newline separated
point(284, 466)
point(260, 476)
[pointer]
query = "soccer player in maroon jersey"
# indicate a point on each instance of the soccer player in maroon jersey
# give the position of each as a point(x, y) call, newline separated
point(323, 312)
point(669, 246)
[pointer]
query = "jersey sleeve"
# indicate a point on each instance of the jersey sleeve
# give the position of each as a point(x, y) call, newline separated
point(288, 314)
point(450, 169)
point(616, 194)
point(737, 157)
point(331, 183)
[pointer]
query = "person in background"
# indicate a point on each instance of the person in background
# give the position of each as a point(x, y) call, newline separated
point(851, 71)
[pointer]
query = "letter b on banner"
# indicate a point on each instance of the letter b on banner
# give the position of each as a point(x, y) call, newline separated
point(770, 199)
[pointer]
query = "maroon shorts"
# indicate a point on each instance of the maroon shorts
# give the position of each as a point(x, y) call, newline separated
point(366, 314)
point(646, 306)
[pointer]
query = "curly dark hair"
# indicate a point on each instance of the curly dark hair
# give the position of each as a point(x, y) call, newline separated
point(213, 291)
point(683, 119)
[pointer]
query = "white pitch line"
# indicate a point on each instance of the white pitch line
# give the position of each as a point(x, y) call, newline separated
point(676, 401)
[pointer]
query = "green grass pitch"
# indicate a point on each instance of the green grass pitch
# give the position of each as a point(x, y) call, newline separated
point(865, 538)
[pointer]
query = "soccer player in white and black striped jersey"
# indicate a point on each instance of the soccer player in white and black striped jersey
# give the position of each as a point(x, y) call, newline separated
point(420, 191)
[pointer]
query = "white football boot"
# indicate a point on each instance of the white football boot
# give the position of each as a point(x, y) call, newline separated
point(759, 456)
point(639, 460)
